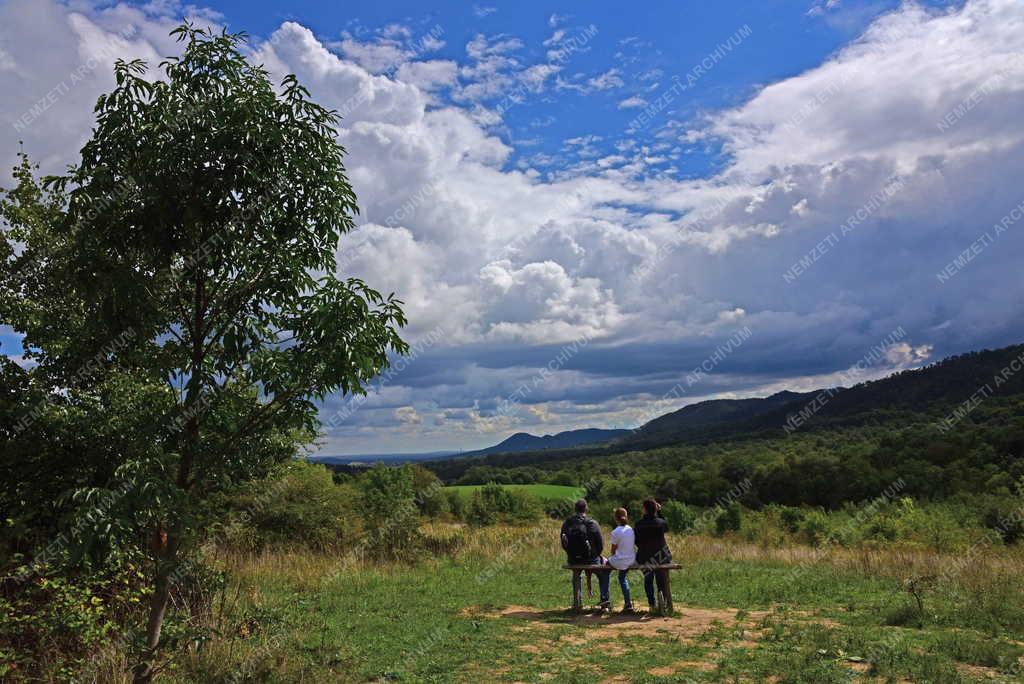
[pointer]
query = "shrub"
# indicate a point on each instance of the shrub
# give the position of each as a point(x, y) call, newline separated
point(763, 527)
point(523, 507)
point(430, 497)
point(456, 502)
point(680, 517)
point(564, 478)
point(391, 515)
point(933, 526)
point(792, 518)
point(434, 502)
point(1005, 520)
point(56, 622)
point(814, 527)
point(299, 504)
point(492, 503)
point(729, 520)
point(196, 586)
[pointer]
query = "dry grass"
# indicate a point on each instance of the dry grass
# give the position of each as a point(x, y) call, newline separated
point(479, 571)
point(983, 566)
point(977, 568)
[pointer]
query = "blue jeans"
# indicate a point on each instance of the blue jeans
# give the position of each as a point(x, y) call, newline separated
point(650, 576)
point(624, 585)
point(603, 580)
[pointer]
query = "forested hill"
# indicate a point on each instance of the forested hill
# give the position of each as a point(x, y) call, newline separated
point(934, 390)
point(522, 441)
point(943, 391)
point(717, 416)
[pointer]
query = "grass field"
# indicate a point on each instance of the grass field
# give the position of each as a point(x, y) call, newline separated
point(494, 609)
point(546, 493)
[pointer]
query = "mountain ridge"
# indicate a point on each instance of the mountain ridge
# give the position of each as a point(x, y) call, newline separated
point(525, 442)
point(936, 390)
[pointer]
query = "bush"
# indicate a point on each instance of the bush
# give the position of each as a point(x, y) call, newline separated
point(391, 515)
point(729, 520)
point(1005, 520)
point(792, 518)
point(493, 503)
point(814, 527)
point(680, 517)
point(456, 502)
point(298, 504)
point(564, 478)
point(434, 503)
point(56, 622)
point(430, 496)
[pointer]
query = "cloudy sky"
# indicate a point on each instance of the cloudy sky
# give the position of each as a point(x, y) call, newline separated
point(595, 215)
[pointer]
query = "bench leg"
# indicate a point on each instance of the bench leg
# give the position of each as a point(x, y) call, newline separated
point(577, 590)
point(667, 579)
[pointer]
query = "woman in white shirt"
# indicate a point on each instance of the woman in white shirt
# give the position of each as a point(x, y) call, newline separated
point(623, 554)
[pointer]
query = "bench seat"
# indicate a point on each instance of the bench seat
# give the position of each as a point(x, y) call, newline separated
point(634, 566)
point(664, 597)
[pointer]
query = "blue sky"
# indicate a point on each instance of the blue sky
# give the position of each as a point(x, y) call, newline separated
point(644, 48)
point(598, 213)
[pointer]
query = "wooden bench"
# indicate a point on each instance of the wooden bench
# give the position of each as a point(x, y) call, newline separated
point(664, 598)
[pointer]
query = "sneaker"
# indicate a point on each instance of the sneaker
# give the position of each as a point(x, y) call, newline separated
point(605, 606)
point(628, 610)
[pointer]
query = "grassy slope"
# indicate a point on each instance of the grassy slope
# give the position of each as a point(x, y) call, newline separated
point(544, 492)
point(308, 618)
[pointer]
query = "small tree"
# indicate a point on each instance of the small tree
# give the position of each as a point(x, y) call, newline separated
point(392, 517)
point(199, 230)
point(729, 520)
point(680, 517)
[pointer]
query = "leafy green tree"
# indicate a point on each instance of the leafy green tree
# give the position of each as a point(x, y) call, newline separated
point(680, 517)
point(298, 505)
point(191, 252)
point(429, 497)
point(392, 517)
point(729, 520)
point(492, 503)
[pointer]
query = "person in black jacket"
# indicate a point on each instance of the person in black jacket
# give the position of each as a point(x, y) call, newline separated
point(651, 548)
point(581, 539)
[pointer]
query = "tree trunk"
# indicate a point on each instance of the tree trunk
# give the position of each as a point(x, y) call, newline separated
point(165, 546)
point(146, 668)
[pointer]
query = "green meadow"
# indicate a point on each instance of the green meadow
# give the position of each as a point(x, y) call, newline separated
point(546, 493)
point(493, 607)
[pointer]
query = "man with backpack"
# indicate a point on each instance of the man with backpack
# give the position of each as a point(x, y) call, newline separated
point(581, 539)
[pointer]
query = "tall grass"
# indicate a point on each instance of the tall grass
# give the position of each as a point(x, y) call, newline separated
point(301, 615)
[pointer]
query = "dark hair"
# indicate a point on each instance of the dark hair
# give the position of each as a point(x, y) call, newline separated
point(581, 506)
point(650, 505)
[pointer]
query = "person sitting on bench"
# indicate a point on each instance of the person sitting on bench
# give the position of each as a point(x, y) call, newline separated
point(581, 540)
point(651, 548)
point(623, 554)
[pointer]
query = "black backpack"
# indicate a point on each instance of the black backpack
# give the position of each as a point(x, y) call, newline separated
point(577, 539)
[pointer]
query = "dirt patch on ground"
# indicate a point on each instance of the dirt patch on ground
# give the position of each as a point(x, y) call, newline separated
point(608, 633)
point(480, 612)
point(686, 623)
point(977, 672)
point(682, 666)
point(605, 632)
